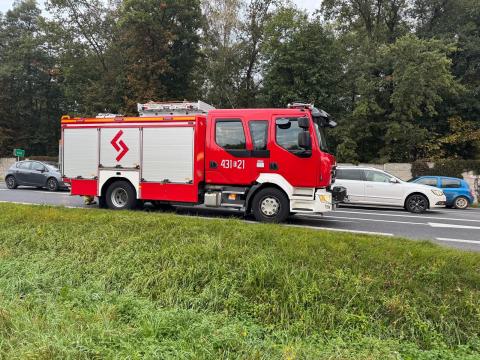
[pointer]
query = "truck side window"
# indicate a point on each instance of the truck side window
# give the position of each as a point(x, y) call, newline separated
point(229, 134)
point(259, 134)
point(287, 133)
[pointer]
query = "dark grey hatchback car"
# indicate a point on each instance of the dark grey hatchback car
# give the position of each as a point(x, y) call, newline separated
point(34, 173)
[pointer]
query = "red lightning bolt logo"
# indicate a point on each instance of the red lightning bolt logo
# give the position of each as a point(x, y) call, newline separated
point(119, 146)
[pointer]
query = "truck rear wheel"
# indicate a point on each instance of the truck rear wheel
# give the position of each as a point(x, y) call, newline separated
point(121, 196)
point(270, 205)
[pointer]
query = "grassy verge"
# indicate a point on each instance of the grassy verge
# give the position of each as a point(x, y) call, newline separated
point(99, 284)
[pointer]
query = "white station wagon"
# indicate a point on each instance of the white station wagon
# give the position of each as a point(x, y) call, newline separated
point(370, 186)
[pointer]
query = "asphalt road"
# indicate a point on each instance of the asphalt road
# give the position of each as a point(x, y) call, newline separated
point(456, 228)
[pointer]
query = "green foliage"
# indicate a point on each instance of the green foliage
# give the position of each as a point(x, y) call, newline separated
point(420, 74)
point(420, 168)
point(30, 96)
point(403, 141)
point(159, 40)
point(99, 284)
point(347, 151)
point(303, 62)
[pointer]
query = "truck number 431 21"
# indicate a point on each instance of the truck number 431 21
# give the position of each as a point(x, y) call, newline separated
point(233, 164)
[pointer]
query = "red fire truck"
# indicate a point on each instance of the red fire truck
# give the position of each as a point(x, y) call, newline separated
point(268, 162)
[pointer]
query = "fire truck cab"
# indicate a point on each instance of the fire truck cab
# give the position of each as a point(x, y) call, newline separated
point(268, 162)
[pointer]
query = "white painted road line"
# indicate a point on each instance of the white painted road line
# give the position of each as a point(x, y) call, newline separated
point(377, 220)
point(37, 192)
point(452, 226)
point(459, 241)
point(373, 212)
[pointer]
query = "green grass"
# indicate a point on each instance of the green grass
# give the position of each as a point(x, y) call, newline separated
point(100, 284)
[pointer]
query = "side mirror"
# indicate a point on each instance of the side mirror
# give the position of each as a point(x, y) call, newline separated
point(304, 140)
point(394, 181)
point(304, 123)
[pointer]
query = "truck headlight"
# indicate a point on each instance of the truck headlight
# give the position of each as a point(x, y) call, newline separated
point(326, 198)
point(437, 192)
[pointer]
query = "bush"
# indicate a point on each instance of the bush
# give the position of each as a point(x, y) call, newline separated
point(420, 168)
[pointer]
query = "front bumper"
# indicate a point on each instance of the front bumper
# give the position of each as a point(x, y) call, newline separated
point(322, 202)
point(437, 201)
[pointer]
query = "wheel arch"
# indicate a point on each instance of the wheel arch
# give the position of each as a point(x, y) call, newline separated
point(110, 181)
point(50, 177)
point(14, 178)
point(461, 196)
point(255, 189)
point(416, 193)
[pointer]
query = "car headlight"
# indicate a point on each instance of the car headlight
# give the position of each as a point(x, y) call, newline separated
point(437, 192)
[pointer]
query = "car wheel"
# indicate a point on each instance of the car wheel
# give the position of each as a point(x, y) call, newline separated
point(416, 203)
point(11, 182)
point(270, 205)
point(52, 184)
point(461, 203)
point(121, 196)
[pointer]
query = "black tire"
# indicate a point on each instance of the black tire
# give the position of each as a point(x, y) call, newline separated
point(416, 203)
point(121, 196)
point(11, 182)
point(270, 205)
point(102, 202)
point(52, 184)
point(461, 203)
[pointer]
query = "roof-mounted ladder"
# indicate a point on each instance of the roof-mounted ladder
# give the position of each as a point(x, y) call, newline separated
point(152, 109)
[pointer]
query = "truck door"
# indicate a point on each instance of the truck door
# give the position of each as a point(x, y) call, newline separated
point(299, 168)
point(260, 153)
point(227, 154)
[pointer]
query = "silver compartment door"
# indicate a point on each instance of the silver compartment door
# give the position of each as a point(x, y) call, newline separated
point(168, 154)
point(120, 147)
point(80, 153)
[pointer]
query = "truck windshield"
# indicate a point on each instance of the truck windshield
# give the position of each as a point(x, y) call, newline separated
point(322, 138)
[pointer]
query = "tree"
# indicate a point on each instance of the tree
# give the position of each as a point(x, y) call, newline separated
point(29, 107)
point(82, 34)
point(159, 44)
point(379, 20)
point(221, 53)
point(302, 62)
point(234, 32)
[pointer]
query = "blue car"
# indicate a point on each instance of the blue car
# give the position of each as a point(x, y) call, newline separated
point(458, 193)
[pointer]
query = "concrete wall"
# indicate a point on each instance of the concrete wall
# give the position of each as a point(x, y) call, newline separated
point(400, 170)
point(5, 163)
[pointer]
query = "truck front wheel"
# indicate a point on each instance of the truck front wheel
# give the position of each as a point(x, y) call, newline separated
point(121, 196)
point(270, 205)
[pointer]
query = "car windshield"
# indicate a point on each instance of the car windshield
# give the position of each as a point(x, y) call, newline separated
point(322, 137)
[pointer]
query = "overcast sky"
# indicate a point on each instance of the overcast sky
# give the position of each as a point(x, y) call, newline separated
point(306, 4)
